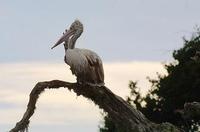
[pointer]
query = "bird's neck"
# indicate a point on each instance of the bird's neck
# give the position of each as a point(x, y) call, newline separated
point(73, 39)
point(72, 42)
point(72, 45)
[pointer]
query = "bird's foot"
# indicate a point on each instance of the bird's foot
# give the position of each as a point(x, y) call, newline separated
point(79, 81)
point(95, 84)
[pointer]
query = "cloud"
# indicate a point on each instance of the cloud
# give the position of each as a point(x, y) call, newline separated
point(119, 74)
point(61, 107)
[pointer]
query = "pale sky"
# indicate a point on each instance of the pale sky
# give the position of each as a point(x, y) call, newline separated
point(132, 37)
point(119, 30)
point(62, 110)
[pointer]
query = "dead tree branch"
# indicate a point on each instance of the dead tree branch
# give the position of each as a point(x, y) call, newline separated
point(118, 109)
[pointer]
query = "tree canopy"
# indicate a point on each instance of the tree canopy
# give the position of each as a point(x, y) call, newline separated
point(169, 93)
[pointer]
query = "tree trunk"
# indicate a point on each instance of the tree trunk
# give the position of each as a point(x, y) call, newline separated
point(119, 110)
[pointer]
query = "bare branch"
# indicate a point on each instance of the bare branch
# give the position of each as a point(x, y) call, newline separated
point(22, 125)
point(118, 109)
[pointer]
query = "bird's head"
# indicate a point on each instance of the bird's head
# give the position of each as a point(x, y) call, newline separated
point(74, 32)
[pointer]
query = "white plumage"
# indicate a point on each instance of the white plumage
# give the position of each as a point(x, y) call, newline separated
point(84, 63)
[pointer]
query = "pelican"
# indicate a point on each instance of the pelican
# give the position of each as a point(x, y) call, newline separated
point(85, 64)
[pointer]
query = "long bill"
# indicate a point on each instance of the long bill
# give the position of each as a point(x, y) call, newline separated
point(65, 37)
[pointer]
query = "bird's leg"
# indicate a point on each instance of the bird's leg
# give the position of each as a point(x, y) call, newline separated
point(72, 70)
point(79, 81)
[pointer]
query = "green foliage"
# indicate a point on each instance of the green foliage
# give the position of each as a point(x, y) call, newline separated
point(111, 126)
point(181, 84)
point(169, 92)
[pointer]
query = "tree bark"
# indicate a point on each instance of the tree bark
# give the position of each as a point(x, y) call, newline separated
point(118, 109)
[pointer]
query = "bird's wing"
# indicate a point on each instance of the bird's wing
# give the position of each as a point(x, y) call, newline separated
point(94, 61)
point(86, 63)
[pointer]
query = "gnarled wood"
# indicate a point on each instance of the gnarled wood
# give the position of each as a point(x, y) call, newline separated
point(118, 109)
